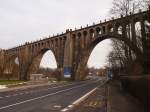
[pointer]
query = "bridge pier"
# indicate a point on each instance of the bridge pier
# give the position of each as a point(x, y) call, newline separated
point(68, 57)
point(24, 71)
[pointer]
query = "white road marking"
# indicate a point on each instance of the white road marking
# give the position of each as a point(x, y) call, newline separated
point(78, 100)
point(70, 106)
point(57, 106)
point(84, 97)
point(75, 103)
point(64, 110)
point(36, 91)
point(4, 107)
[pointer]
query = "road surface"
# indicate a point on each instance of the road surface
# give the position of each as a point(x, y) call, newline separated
point(46, 99)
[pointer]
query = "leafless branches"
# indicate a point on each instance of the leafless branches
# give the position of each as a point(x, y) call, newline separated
point(122, 56)
point(125, 7)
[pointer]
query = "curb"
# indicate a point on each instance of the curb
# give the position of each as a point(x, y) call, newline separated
point(78, 101)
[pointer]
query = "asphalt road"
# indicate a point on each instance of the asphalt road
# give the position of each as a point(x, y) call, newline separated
point(46, 99)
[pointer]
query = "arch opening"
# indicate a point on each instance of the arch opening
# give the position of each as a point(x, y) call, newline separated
point(93, 58)
point(98, 31)
point(48, 60)
point(84, 56)
point(138, 34)
point(138, 29)
point(120, 30)
point(45, 64)
point(91, 33)
point(97, 61)
point(97, 58)
point(17, 61)
point(11, 69)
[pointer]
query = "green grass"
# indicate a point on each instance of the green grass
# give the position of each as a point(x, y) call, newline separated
point(10, 82)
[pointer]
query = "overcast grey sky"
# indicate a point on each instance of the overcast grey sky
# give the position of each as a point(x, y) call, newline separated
point(28, 20)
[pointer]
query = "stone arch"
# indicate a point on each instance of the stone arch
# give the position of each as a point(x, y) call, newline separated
point(79, 34)
point(35, 61)
point(85, 33)
point(98, 31)
point(119, 30)
point(83, 56)
point(11, 67)
point(91, 32)
point(110, 28)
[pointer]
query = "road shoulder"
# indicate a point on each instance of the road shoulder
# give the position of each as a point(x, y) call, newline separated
point(95, 102)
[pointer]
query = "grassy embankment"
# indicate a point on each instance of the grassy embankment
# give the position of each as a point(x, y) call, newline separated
point(11, 82)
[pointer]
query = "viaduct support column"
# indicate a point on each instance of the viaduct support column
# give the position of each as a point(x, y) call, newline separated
point(24, 57)
point(68, 56)
point(146, 47)
point(2, 61)
point(23, 67)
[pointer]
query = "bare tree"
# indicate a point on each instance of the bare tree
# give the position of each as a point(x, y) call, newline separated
point(114, 63)
point(125, 7)
point(146, 4)
point(125, 56)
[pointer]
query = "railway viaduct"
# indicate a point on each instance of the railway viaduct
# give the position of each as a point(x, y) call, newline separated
point(72, 48)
